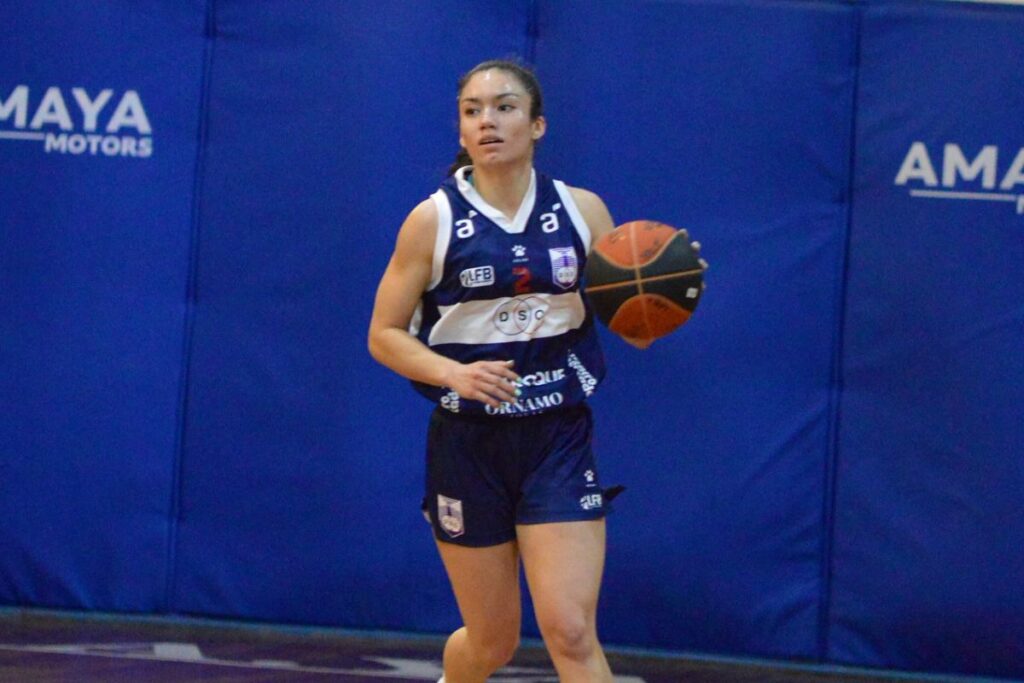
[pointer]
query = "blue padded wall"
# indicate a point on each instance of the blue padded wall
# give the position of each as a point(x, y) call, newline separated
point(697, 114)
point(303, 458)
point(928, 558)
point(94, 249)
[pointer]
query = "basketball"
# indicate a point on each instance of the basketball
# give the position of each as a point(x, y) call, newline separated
point(644, 279)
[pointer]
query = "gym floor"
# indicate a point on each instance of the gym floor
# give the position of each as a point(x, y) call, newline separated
point(38, 646)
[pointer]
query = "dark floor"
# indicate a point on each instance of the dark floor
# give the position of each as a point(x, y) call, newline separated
point(36, 647)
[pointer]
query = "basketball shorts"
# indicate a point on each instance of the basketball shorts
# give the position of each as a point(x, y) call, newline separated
point(485, 475)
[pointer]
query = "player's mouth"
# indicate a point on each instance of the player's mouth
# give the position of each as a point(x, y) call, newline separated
point(490, 141)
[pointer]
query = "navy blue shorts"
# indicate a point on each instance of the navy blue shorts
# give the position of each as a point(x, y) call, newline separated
point(485, 475)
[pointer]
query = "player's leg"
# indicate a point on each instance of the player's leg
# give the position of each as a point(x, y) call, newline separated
point(486, 586)
point(564, 562)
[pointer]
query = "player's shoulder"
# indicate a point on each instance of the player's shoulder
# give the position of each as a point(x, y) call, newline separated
point(584, 196)
point(424, 213)
point(419, 230)
point(593, 210)
point(589, 203)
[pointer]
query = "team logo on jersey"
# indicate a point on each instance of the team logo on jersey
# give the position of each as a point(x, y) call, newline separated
point(481, 276)
point(564, 266)
point(449, 514)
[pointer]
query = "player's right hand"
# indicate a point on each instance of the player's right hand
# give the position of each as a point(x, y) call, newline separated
point(489, 381)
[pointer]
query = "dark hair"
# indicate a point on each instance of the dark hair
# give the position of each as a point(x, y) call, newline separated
point(522, 74)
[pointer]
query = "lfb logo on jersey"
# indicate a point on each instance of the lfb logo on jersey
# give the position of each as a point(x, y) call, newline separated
point(481, 276)
point(564, 266)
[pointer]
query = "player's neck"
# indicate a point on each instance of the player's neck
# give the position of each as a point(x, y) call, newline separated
point(503, 187)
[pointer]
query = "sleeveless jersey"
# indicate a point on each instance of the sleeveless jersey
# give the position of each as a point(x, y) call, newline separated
point(510, 290)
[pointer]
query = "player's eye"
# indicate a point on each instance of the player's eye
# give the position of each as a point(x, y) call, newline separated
point(506, 107)
point(470, 111)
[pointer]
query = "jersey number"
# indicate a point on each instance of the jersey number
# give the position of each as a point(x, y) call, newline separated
point(522, 274)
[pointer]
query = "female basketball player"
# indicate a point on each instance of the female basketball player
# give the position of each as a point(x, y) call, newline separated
point(480, 306)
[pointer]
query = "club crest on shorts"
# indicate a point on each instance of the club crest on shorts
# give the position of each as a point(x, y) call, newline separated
point(564, 266)
point(449, 514)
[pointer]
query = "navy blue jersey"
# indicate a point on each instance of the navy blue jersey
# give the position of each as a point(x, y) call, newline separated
point(505, 289)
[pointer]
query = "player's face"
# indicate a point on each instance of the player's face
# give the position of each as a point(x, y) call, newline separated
point(494, 119)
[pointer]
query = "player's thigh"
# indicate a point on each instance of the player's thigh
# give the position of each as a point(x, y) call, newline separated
point(486, 586)
point(564, 562)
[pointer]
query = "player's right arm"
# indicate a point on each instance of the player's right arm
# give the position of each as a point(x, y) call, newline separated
point(405, 279)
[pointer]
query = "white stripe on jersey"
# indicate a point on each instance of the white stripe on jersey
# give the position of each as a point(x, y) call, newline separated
point(444, 236)
point(508, 319)
point(574, 213)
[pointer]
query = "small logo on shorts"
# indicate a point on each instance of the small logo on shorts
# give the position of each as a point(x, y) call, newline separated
point(450, 401)
point(591, 501)
point(449, 514)
point(589, 476)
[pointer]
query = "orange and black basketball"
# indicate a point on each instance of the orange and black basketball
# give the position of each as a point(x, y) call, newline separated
point(644, 279)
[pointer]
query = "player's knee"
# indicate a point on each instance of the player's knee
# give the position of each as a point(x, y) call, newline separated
point(571, 636)
point(496, 650)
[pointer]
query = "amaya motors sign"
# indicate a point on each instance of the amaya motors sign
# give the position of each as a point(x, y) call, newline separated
point(76, 122)
point(983, 178)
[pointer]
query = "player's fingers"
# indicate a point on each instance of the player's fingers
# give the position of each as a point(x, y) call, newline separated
point(503, 369)
point(508, 375)
point(493, 398)
point(489, 400)
point(695, 245)
point(703, 264)
point(505, 390)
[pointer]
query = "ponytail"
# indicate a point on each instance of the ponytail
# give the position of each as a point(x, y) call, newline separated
point(461, 159)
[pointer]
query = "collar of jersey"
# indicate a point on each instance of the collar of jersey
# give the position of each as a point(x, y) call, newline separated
point(517, 224)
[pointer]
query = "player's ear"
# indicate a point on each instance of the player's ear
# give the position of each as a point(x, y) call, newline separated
point(538, 126)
